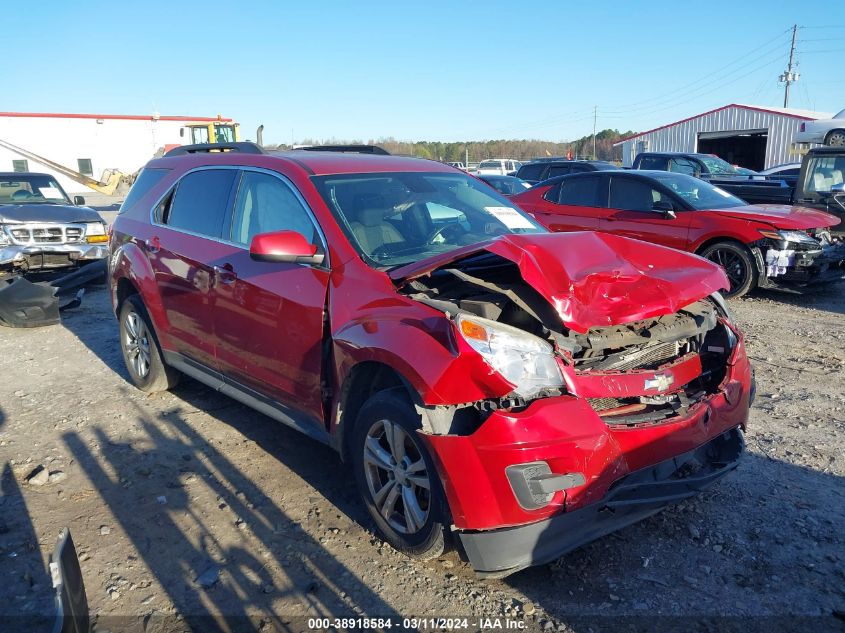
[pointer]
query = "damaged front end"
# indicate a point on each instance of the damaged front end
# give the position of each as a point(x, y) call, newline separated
point(799, 258)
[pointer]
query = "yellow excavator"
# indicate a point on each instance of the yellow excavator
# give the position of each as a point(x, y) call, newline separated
point(115, 182)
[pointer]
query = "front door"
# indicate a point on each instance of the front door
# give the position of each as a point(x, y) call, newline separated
point(268, 317)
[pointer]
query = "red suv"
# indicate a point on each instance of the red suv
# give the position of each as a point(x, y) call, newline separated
point(523, 391)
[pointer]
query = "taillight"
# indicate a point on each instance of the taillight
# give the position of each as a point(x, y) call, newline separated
point(803, 127)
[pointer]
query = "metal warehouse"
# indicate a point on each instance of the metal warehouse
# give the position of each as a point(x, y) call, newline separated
point(94, 144)
point(756, 137)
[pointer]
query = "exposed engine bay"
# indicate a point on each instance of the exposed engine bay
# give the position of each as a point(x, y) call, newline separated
point(641, 353)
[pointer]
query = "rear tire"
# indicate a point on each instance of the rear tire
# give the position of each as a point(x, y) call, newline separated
point(396, 477)
point(836, 138)
point(141, 352)
point(737, 262)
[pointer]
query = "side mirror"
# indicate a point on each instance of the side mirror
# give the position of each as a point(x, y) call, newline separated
point(666, 209)
point(78, 201)
point(284, 247)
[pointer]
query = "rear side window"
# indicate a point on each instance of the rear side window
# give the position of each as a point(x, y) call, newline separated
point(632, 195)
point(146, 180)
point(200, 201)
point(654, 162)
point(530, 172)
point(580, 192)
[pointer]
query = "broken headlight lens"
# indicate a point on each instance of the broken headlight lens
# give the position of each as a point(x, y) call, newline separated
point(796, 237)
point(522, 359)
point(4, 239)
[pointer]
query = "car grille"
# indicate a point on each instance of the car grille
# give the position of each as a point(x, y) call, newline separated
point(24, 234)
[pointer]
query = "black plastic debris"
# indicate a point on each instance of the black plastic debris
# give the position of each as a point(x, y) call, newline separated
point(25, 304)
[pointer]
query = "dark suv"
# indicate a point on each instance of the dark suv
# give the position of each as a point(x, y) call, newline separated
point(543, 169)
point(522, 391)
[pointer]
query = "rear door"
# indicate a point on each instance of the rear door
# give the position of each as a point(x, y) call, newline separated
point(631, 213)
point(268, 316)
point(577, 203)
point(184, 243)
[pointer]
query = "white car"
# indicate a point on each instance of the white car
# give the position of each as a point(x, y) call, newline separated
point(500, 166)
point(826, 131)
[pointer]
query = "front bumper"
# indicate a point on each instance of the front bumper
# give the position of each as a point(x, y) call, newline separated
point(44, 256)
point(631, 499)
point(802, 268)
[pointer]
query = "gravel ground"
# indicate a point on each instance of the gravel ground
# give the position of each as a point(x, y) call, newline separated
point(188, 504)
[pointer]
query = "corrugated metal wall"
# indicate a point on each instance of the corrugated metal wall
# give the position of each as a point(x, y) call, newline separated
point(683, 137)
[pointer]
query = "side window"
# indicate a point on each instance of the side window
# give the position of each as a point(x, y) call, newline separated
point(632, 195)
point(200, 201)
point(581, 192)
point(266, 204)
point(147, 179)
point(531, 172)
point(659, 163)
point(558, 170)
point(683, 166)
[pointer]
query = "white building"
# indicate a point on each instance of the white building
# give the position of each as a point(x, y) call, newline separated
point(90, 143)
point(756, 137)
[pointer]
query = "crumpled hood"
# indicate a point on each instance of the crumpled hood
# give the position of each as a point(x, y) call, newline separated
point(595, 279)
point(47, 213)
point(782, 216)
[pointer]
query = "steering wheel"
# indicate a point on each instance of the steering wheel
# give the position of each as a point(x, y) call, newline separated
point(439, 231)
point(21, 194)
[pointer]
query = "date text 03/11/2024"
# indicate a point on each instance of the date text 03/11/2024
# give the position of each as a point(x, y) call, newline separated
point(415, 624)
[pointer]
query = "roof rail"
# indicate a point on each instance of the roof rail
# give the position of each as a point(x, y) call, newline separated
point(353, 149)
point(205, 148)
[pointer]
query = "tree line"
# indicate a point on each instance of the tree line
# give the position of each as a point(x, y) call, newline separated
point(479, 150)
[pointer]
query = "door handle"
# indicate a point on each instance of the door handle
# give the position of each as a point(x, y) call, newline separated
point(153, 244)
point(225, 274)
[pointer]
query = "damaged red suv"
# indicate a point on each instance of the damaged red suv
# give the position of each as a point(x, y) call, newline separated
point(520, 391)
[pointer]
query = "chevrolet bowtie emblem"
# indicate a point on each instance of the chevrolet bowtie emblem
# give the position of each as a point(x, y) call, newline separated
point(661, 382)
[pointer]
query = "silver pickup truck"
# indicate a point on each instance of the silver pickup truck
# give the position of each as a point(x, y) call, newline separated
point(40, 228)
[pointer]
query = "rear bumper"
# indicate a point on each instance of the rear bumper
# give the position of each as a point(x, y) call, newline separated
point(42, 256)
point(631, 499)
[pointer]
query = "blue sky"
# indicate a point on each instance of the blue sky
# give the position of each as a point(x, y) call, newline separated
point(430, 70)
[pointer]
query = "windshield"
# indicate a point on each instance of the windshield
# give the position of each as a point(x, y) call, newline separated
point(717, 166)
point(399, 218)
point(823, 172)
point(31, 188)
point(701, 195)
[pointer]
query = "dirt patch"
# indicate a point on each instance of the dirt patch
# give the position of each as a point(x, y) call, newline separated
point(189, 503)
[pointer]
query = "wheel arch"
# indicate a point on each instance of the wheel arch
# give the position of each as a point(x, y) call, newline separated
point(831, 133)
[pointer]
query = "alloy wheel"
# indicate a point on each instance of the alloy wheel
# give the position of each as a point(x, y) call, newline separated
point(397, 477)
point(734, 266)
point(837, 139)
point(136, 344)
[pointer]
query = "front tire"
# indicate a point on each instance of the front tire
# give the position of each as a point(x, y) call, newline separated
point(141, 353)
point(396, 477)
point(737, 262)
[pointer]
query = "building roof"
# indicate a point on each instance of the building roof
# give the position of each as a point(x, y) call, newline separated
point(121, 117)
point(805, 115)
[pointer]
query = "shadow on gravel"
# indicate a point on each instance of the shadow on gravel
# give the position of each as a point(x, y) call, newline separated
point(215, 584)
point(94, 324)
point(27, 588)
point(761, 550)
point(825, 297)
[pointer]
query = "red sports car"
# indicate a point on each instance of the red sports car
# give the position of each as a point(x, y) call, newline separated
point(758, 246)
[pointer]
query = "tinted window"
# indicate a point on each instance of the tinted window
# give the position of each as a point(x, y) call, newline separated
point(264, 204)
point(558, 170)
point(632, 195)
point(200, 201)
point(530, 172)
point(146, 180)
point(580, 192)
point(653, 162)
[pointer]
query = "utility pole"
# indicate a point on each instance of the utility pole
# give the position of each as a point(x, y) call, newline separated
point(789, 76)
point(595, 116)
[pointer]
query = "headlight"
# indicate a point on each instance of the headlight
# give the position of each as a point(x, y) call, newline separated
point(522, 359)
point(4, 238)
point(796, 237)
point(95, 228)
